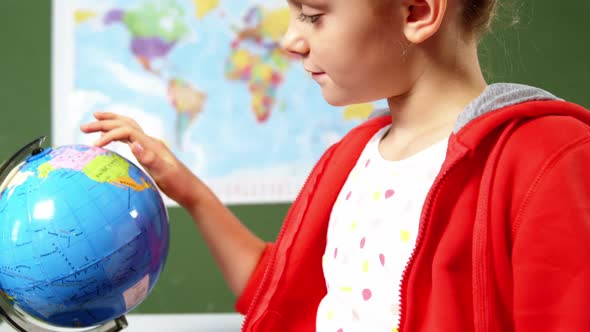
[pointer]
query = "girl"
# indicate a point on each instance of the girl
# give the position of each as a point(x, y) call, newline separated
point(464, 208)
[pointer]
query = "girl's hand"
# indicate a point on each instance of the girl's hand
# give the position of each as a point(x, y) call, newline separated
point(236, 250)
point(171, 176)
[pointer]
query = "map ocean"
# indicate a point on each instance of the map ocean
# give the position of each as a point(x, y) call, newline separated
point(209, 78)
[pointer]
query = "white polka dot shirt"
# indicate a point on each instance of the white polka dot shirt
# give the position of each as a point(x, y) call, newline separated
point(371, 235)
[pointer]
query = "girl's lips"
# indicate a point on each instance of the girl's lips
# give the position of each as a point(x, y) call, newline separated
point(317, 75)
point(312, 72)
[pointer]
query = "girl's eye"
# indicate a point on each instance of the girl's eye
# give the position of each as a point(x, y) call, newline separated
point(308, 18)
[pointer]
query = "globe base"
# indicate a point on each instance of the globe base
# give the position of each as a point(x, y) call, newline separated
point(22, 322)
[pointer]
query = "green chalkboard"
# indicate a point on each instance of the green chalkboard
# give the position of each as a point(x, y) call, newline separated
point(548, 48)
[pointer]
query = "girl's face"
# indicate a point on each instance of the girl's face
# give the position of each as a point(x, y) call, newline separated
point(354, 53)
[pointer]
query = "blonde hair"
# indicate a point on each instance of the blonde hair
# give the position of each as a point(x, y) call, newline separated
point(478, 14)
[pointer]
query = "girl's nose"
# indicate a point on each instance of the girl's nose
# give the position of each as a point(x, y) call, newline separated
point(294, 43)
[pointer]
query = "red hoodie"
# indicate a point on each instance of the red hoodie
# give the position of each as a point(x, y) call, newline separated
point(504, 239)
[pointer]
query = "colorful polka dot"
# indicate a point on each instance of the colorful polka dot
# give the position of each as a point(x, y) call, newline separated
point(389, 193)
point(405, 236)
point(363, 242)
point(353, 226)
point(330, 314)
point(367, 163)
point(376, 195)
point(335, 252)
point(340, 330)
point(366, 266)
point(346, 289)
point(382, 259)
point(367, 294)
point(348, 195)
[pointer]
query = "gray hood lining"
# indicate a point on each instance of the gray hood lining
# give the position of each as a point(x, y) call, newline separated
point(495, 96)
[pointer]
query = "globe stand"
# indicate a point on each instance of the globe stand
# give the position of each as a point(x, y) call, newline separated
point(18, 158)
point(13, 315)
point(23, 323)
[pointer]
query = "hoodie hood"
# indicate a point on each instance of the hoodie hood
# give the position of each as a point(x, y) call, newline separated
point(495, 96)
point(501, 103)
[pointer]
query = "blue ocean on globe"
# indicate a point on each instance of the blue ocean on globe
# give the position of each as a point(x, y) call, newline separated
point(84, 236)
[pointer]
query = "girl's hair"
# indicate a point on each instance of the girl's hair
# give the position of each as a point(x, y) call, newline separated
point(478, 14)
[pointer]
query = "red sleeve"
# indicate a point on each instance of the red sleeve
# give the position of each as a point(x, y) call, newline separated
point(551, 252)
point(244, 300)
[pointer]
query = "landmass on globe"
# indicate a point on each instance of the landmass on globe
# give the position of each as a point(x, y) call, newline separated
point(97, 165)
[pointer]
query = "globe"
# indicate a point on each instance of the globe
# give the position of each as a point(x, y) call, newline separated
point(84, 236)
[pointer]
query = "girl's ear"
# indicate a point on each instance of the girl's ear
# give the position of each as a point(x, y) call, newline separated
point(423, 18)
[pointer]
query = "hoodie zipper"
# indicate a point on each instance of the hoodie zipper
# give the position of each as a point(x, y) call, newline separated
point(419, 239)
point(273, 258)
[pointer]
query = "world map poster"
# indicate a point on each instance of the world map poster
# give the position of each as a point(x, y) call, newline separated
point(207, 77)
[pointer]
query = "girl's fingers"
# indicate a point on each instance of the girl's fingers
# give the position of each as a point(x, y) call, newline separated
point(103, 125)
point(106, 115)
point(120, 134)
point(154, 156)
point(113, 116)
point(130, 122)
